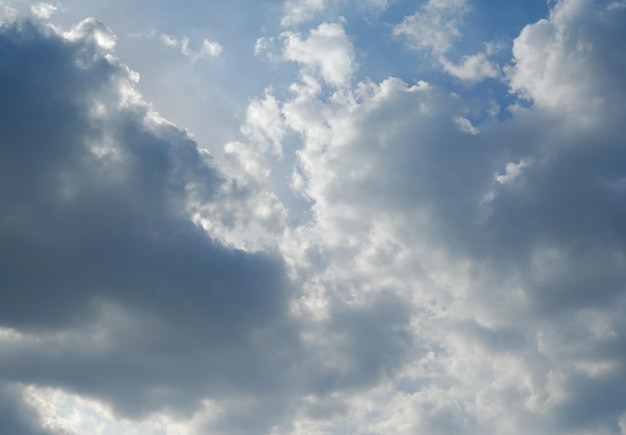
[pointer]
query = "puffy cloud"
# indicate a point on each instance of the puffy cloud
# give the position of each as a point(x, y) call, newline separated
point(508, 240)
point(116, 301)
point(43, 10)
point(455, 276)
point(471, 69)
point(572, 61)
point(99, 35)
point(127, 300)
point(327, 51)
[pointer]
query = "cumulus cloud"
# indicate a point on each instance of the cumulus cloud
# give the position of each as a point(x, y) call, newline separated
point(327, 51)
point(510, 242)
point(100, 255)
point(457, 273)
point(571, 61)
point(116, 301)
point(472, 68)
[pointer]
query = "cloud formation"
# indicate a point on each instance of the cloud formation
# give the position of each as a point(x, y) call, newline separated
point(327, 51)
point(208, 48)
point(510, 237)
point(98, 246)
point(453, 269)
point(297, 11)
point(434, 26)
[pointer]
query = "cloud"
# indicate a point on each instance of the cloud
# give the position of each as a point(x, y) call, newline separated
point(43, 10)
point(298, 11)
point(327, 51)
point(456, 272)
point(465, 125)
point(434, 29)
point(471, 69)
point(208, 48)
point(15, 416)
point(570, 61)
point(510, 243)
point(95, 32)
point(115, 303)
point(435, 26)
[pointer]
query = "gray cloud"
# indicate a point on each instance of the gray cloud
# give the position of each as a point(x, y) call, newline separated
point(94, 228)
point(109, 289)
point(16, 417)
point(455, 277)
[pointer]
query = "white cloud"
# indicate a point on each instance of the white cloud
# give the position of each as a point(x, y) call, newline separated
point(263, 46)
point(511, 172)
point(264, 122)
point(43, 10)
point(208, 48)
point(435, 26)
point(69, 413)
point(471, 69)
point(567, 63)
point(507, 285)
point(466, 126)
point(92, 30)
point(327, 50)
point(7, 13)
point(452, 276)
point(298, 11)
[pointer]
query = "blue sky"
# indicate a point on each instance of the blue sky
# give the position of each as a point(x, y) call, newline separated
point(312, 217)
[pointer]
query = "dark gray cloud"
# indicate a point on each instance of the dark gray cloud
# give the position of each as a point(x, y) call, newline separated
point(94, 197)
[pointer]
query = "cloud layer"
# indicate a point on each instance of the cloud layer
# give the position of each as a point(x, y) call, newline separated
point(455, 267)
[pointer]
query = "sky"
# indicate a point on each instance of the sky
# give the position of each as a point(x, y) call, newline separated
point(312, 217)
